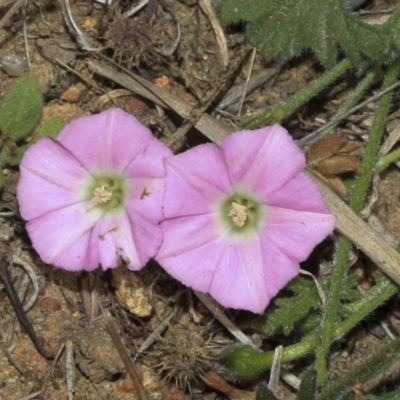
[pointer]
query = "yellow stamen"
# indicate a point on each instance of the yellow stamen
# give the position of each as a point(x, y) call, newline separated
point(238, 214)
point(100, 195)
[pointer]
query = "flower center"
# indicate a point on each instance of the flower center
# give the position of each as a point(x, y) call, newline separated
point(238, 214)
point(101, 195)
point(241, 213)
point(107, 192)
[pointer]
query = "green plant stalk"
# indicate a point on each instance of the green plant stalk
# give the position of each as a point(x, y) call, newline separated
point(385, 161)
point(360, 190)
point(351, 100)
point(249, 362)
point(373, 366)
point(277, 113)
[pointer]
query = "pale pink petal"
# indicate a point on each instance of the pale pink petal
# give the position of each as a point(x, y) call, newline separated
point(262, 160)
point(194, 268)
point(299, 193)
point(191, 250)
point(239, 280)
point(296, 233)
point(49, 176)
point(187, 233)
point(109, 140)
point(203, 170)
point(145, 198)
point(181, 198)
point(38, 196)
point(144, 208)
point(150, 161)
point(61, 237)
point(111, 240)
point(51, 161)
point(195, 180)
point(147, 236)
point(279, 269)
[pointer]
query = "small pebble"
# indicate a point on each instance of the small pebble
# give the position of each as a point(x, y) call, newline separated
point(50, 304)
point(71, 95)
point(12, 64)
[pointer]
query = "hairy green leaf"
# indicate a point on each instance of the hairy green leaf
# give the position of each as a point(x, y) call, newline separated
point(263, 393)
point(21, 108)
point(51, 127)
point(11, 154)
point(285, 28)
point(302, 313)
point(290, 310)
point(308, 386)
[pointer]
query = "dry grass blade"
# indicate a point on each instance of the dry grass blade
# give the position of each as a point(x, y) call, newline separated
point(348, 223)
point(126, 360)
point(209, 126)
point(358, 232)
point(11, 12)
point(207, 7)
point(222, 318)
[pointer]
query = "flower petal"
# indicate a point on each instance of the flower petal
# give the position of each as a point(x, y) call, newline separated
point(237, 273)
point(296, 233)
point(195, 180)
point(61, 237)
point(182, 235)
point(109, 140)
point(263, 160)
point(239, 280)
point(150, 161)
point(49, 176)
point(299, 193)
point(145, 198)
point(37, 196)
point(111, 240)
point(147, 236)
point(279, 269)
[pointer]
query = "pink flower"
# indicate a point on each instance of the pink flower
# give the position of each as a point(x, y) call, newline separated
point(94, 195)
point(240, 217)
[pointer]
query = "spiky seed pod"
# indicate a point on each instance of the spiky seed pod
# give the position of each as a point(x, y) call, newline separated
point(183, 354)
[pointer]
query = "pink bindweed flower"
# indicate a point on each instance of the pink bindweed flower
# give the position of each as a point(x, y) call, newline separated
point(240, 217)
point(94, 195)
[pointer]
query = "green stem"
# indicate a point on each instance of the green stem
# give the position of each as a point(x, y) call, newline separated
point(373, 366)
point(246, 362)
point(385, 161)
point(357, 201)
point(351, 100)
point(278, 113)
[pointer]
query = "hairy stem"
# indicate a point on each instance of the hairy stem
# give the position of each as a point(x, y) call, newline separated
point(359, 193)
point(278, 113)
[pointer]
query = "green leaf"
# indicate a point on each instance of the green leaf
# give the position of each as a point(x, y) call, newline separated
point(347, 290)
point(308, 386)
point(11, 154)
point(51, 127)
point(242, 362)
point(21, 108)
point(285, 28)
point(290, 310)
point(302, 313)
point(395, 395)
point(263, 393)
